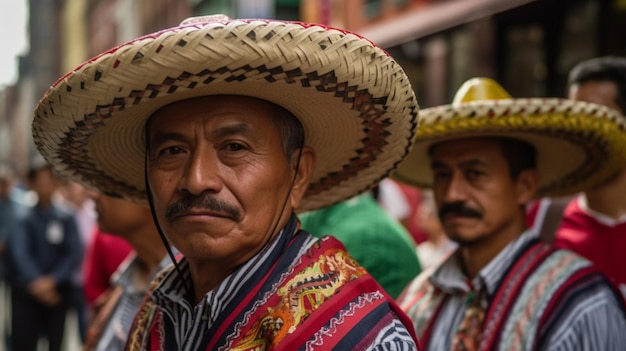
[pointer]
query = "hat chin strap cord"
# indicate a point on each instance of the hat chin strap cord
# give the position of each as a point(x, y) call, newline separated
point(189, 285)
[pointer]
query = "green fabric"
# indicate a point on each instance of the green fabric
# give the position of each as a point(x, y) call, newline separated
point(377, 241)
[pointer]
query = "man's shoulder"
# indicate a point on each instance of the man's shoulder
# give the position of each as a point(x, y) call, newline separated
point(550, 261)
point(561, 275)
point(419, 286)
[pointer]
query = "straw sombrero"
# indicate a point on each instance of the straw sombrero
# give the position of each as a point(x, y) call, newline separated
point(579, 145)
point(354, 101)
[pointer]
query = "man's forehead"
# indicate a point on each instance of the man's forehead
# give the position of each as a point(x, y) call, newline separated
point(467, 152)
point(182, 113)
point(463, 145)
point(603, 92)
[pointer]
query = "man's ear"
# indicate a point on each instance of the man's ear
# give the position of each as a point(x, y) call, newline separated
point(527, 184)
point(303, 174)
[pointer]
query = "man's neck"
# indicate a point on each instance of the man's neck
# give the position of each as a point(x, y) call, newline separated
point(609, 199)
point(475, 257)
point(208, 273)
point(149, 250)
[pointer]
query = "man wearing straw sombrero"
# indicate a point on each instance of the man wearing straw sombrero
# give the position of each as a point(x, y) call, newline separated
point(227, 128)
point(593, 223)
point(503, 288)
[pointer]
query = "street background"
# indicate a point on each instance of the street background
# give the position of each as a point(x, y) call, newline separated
point(526, 45)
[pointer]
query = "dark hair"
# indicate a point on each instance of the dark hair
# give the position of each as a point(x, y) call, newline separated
point(520, 155)
point(290, 129)
point(608, 68)
point(34, 170)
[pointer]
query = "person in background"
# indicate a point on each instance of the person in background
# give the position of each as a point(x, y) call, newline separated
point(109, 328)
point(103, 257)
point(400, 201)
point(44, 252)
point(7, 214)
point(593, 223)
point(10, 212)
point(227, 129)
point(76, 199)
point(438, 246)
point(378, 242)
point(503, 288)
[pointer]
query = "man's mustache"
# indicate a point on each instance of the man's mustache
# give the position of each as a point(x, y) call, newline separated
point(458, 209)
point(203, 201)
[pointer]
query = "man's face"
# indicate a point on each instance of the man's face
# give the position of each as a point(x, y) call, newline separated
point(475, 194)
point(120, 217)
point(219, 176)
point(44, 184)
point(603, 92)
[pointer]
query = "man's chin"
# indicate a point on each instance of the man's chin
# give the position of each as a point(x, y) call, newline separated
point(464, 239)
point(465, 242)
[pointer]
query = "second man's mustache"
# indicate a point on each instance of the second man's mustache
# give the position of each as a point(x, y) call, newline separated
point(204, 201)
point(458, 209)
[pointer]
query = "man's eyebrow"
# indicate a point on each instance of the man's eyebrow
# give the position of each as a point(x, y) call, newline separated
point(468, 163)
point(472, 163)
point(161, 136)
point(437, 164)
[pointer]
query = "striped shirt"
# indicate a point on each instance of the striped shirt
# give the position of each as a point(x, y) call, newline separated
point(121, 318)
point(191, 324)
point(594, 320)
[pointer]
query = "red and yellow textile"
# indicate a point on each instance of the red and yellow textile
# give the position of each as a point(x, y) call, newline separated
point(324, 300)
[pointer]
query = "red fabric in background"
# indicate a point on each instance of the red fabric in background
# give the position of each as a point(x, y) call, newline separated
point(103, 256)
point(412, 195)
point(602, 244)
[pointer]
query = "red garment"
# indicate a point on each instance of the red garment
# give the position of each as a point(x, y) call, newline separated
point(103, 256)
point(322, 300)
point(413, 197)
point(601, 243)
point(532, 210)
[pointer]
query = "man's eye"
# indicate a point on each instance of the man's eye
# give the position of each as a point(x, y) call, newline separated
point(473, 174)
point(171, 150)
point(234, 147)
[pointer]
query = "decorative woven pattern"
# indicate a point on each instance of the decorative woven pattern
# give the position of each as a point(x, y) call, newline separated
point(421, 301)
point(355, 102)
point(579, 144)
point(522, 325)
point(343, 317)
point(509, 290)
point(297, 299)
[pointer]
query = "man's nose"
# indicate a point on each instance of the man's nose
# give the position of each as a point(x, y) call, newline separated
point(202, 172)
point(456, 190)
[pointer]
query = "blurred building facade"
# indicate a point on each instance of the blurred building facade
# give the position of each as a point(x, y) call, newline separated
point(527, 45)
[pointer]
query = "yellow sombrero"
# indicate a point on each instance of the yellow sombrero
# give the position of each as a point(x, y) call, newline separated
point(355, 102)
point(579, 144)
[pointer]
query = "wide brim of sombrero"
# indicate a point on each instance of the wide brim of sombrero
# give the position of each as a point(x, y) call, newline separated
point(355, 102)
point(579, 145)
